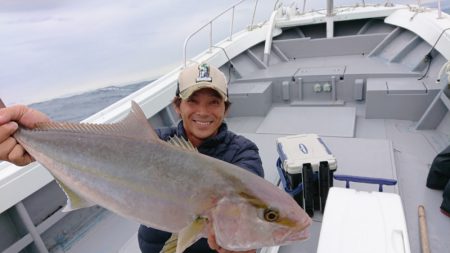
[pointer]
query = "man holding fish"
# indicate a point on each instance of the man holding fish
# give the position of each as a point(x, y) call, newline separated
point(202, 103)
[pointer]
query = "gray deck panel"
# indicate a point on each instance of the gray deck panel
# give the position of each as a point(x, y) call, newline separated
point(355, 65)
point(325, 121)
point(409, 141)
point(370, 128)
point(116, 227)
point(340, 45)
point(365, 158)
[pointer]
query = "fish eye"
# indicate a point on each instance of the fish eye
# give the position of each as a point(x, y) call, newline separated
point(271, 215)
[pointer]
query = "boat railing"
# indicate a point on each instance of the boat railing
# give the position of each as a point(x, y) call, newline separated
point(419, 3)
point(210, 23)
point(232, 8)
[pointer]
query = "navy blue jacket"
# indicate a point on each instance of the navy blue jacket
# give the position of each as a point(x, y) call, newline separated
point(226, 146)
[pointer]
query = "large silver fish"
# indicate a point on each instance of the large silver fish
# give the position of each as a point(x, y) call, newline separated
point(127, 169)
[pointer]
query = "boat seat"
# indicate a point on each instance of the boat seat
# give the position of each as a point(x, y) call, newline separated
point(397, 98)
point(250, 99)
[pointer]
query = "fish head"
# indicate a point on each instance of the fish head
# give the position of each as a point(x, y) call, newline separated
point(247, 222)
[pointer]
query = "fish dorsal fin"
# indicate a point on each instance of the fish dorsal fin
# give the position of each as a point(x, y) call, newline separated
point(134, 125)
point(137, 124)
point(74, 201)
point(181, 143)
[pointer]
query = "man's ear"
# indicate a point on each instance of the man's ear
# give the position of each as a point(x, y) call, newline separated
point(176, 107)
point(226, 112)
point(227, 108)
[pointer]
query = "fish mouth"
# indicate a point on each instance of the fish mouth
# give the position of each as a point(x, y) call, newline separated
point(297, 236)
point(298, 233)
point(283, 236)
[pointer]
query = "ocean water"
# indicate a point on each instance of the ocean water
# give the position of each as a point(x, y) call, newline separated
point(78, 107)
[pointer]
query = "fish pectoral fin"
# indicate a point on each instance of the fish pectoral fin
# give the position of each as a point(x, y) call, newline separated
point(74, 201)
point(190, 234)
point(170, 246)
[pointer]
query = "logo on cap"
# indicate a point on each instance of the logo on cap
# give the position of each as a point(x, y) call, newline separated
point(203, 73)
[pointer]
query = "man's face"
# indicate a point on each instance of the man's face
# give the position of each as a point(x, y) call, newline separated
point(202, 114)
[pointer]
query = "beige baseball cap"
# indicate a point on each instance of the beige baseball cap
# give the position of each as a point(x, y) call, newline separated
point(199, 76)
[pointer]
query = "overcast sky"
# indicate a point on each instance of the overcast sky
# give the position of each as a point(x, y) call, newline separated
point(50, 48)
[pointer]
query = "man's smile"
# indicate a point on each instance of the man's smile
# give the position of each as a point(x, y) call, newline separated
point(203, 122)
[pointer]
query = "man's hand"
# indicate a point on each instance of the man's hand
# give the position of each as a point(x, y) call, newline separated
point(10, 118)
point(213, 244)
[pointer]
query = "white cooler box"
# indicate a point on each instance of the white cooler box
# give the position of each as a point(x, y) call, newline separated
point(307, 166)
point(369, 222)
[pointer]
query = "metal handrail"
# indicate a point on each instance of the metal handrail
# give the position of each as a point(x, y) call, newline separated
point(419, 3)
point(210, 27)
point(439, 9)
point(232, 7)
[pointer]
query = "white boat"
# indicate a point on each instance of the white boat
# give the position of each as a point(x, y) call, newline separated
point(371, 80)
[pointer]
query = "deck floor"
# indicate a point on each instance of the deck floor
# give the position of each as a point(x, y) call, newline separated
point(110, 234)
point(324, 121)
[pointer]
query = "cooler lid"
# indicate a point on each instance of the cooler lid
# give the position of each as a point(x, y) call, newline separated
point(296, 150)
point(357, 221)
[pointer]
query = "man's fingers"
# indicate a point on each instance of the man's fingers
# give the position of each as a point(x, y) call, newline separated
point(13, 152)
point(23, 115)
point(19, 156)
point(7, 130)
point(6, 147)
point(13, 113)
point(10, 119)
